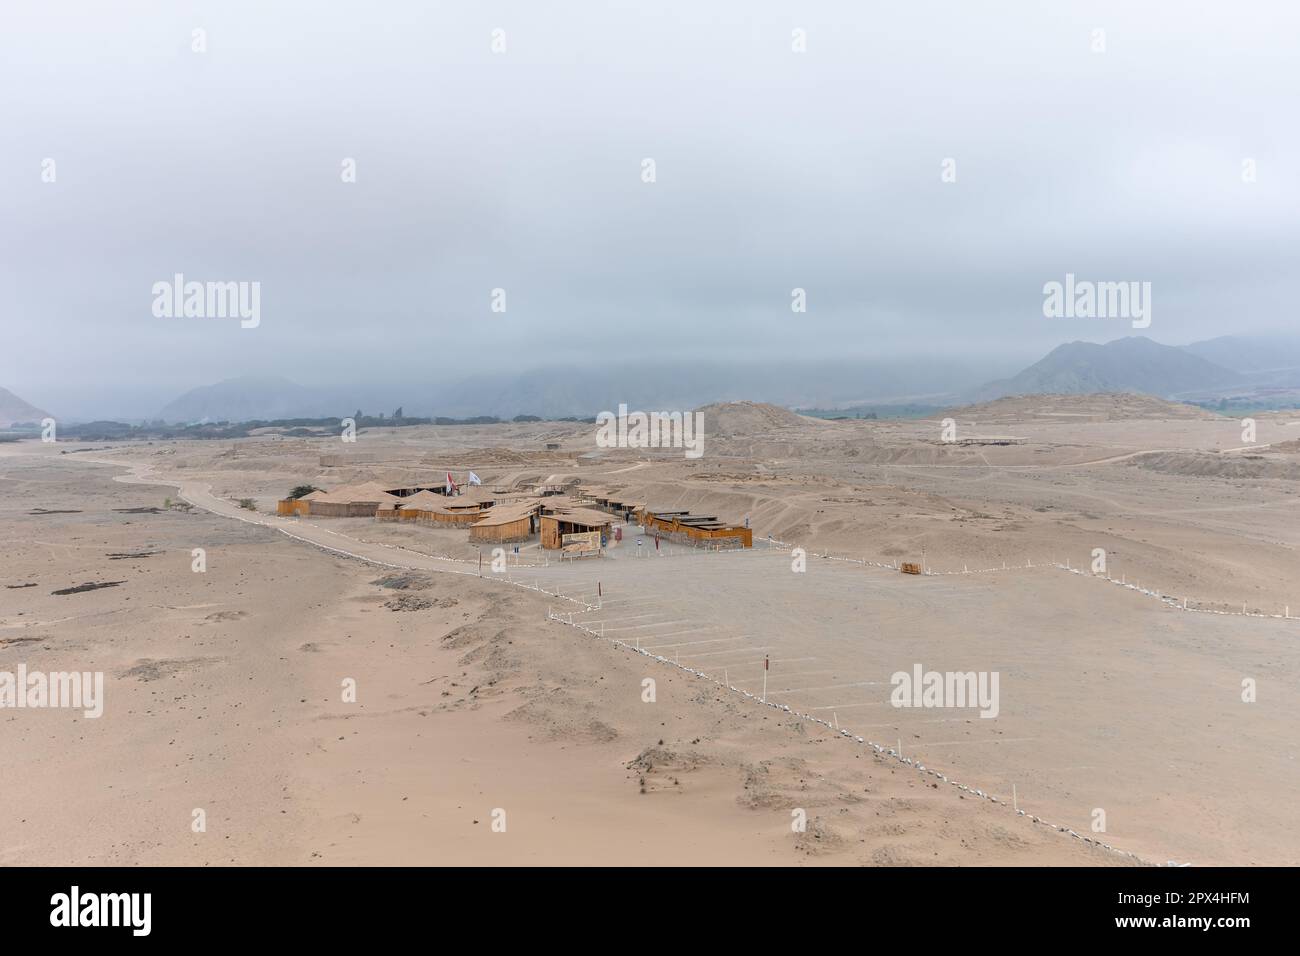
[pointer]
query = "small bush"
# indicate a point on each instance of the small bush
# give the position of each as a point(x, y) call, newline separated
point(301, 490)
point(248, 504)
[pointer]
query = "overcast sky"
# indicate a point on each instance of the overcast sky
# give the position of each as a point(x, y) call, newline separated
point(523, 170)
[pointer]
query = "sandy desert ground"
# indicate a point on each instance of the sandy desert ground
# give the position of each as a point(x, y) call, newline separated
point(223, 687)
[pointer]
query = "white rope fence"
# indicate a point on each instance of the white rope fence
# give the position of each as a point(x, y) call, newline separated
point(879, 749)
point(1181, 604)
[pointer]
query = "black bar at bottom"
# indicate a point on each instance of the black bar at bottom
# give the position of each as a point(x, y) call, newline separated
point(329, 905)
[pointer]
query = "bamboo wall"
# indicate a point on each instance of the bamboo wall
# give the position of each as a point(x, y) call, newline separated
point(679, 533)
point(436, 518)
point(511, 531)
point(721, 538)
point(337, 509)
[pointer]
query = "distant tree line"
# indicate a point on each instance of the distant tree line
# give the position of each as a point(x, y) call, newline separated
point(291, 427)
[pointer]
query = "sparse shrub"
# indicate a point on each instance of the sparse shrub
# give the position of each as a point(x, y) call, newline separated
point(300, 490)
point(248, 504)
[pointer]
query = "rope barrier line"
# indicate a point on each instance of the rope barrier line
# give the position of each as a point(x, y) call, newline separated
point(1173, 601)
point(879, 749)
point(1184, 604)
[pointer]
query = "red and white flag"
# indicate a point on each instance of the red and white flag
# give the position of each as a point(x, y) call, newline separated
point(765, 662)
point(451, 485)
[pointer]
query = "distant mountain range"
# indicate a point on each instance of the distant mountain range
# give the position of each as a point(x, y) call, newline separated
point(13, 410)
point(559, 391)
point(1255, 354)
point(1136, 364)
point(1265, 367)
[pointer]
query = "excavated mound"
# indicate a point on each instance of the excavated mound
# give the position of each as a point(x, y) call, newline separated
point(731, 419)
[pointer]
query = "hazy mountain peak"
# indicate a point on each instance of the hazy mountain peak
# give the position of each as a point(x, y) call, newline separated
point(14, 409)
point(1131, 364)
point(243, 398)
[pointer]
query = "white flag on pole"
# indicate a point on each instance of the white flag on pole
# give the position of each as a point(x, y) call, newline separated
point(474, 479)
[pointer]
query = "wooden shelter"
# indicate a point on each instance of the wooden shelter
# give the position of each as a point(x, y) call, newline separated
point(429, 507)
point(572, 521)
point(349, 501)
point(297, 507)
point(698, 530)
point(505, 523)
